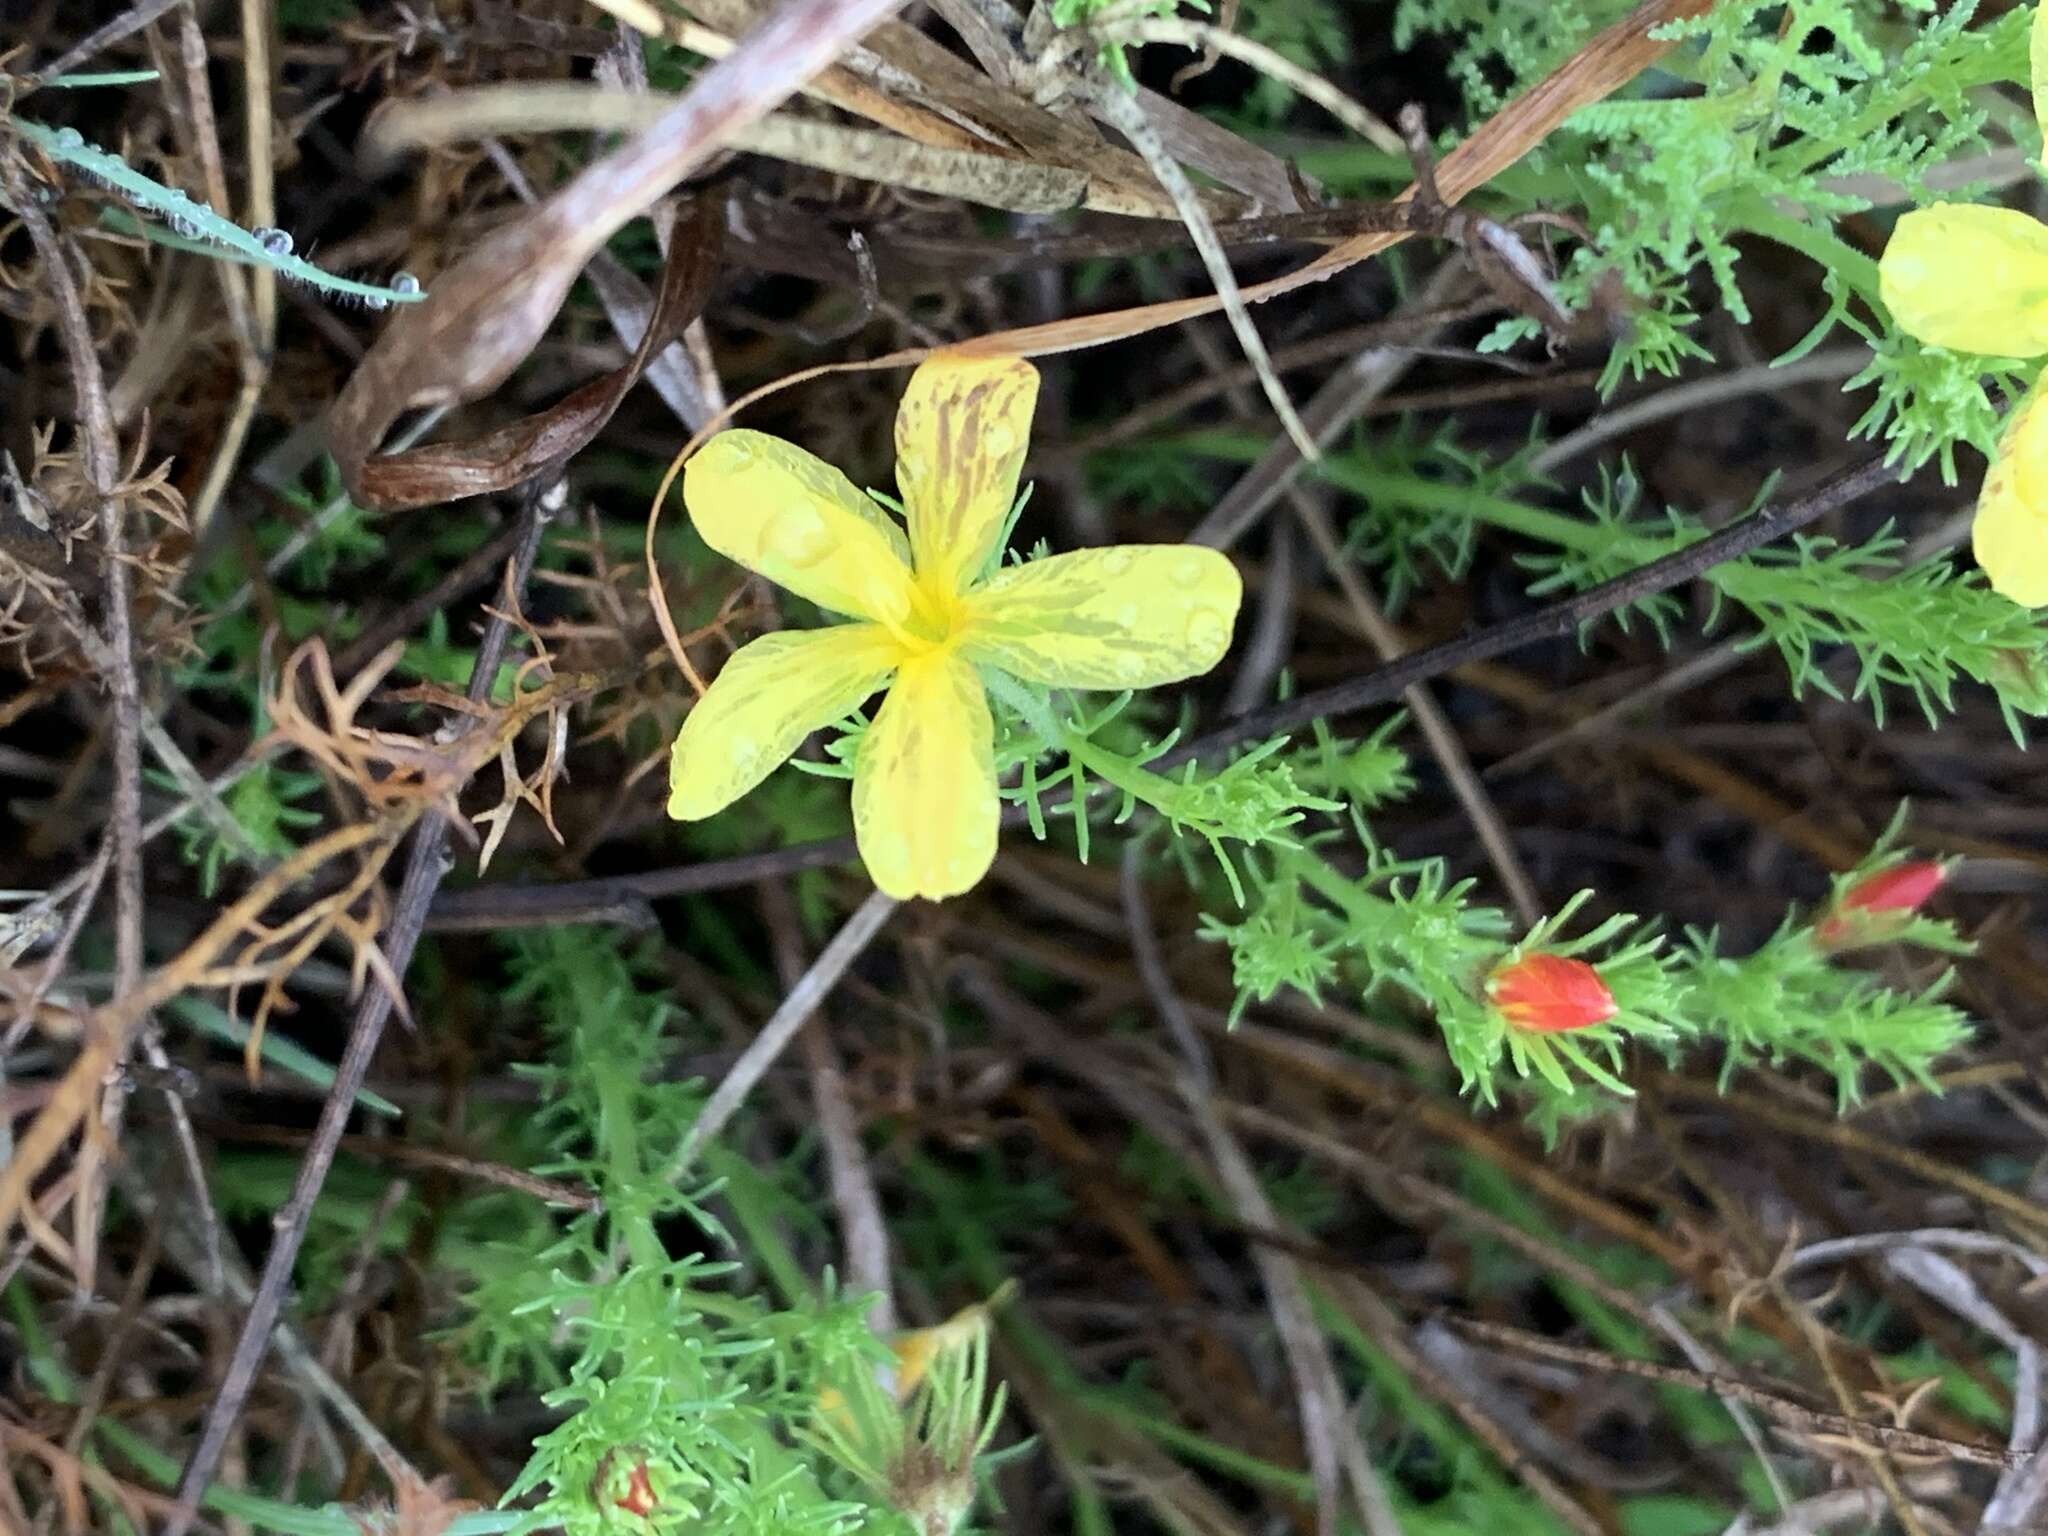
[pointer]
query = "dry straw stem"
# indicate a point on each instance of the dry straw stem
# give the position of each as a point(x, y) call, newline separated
point(900, 57)
point(110, 1029)
point(110, 510)
point(1336, 1454)
point(2030, 1215)
point(1606, 63)
point(791, 1015)
point(1117, 107)
point(1203, 35)
point(994, 181)
point(401, 778)
point(837, 86)
point(424, 868)
point(1864, 1435)
point(863, 1228)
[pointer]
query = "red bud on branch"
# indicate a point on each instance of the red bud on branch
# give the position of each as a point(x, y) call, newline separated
point(1875, 908)
point(1550, 993)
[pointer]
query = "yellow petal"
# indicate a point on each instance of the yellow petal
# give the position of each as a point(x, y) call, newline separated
point(793, 518)
point(1133, 616)
point(1969, 278)
point(764, 702)
point(924, 784)
point(2010, 534)
point(918, 1348)
point(961, 434)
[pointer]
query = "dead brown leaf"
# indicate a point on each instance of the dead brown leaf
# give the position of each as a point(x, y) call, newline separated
point(488, 311)
point(519, 450)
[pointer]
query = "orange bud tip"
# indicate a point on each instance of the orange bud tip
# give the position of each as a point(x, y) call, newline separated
point(638, 1499)
point(1550, 993)
point(1902, 888)
point(1873, 906)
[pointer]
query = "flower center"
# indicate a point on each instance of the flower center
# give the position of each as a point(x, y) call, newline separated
point(934, 620)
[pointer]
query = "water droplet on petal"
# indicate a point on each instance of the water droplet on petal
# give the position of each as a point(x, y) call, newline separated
point(1189, 571)
point(745, 753)
point(1208, 632)
point(375, 301)
point(1130, 666)
point(1127, 616)
point(70, 138)
point(999, 441)
point(274, 240)
point(797, 536)
point(404, 282)
point(1117, 562)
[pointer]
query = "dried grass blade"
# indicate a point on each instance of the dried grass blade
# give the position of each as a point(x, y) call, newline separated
point(993, 180)
point(1607, 62)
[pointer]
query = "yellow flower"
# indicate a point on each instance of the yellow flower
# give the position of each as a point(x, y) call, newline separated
point(2010, 533)
point(924, 788)
point(1975, 279)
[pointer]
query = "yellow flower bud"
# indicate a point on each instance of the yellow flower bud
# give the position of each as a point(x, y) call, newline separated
point(1969, 278)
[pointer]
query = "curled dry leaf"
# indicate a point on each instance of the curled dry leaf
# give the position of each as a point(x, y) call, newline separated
point(519, 450)
point(488, 311)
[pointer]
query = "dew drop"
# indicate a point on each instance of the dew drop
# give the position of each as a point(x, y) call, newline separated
point(1127, 616)
point(1000, 441)
point(746, 755)
point(1130, 666)
point(375, 301)
point(1208, 632)
point(70, 138)
point(797, 537)
point(1189, 571)
point(274, 240)
point(404, 282)
point(1116, 563)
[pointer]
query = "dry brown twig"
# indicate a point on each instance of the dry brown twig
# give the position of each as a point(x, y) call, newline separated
point(397, 778)
point(102, 460)
point(1337, 1455)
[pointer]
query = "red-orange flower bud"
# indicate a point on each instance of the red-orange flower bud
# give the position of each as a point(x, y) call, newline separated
point(1875, 907)
point(1550, 993)
point(638, 1499)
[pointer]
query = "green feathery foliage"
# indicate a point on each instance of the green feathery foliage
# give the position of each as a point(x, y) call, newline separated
point(1764, 120)
point(1334, 911)
point(691, 1400)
